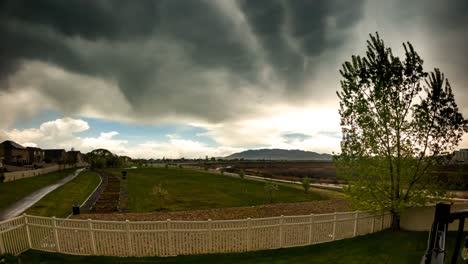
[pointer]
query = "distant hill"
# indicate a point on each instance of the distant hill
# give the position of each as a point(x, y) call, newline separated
point(279, 154)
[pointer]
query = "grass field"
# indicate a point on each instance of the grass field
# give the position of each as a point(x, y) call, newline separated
point(191, 189)
point(384, 247)
point(60, 201)
point(13, 191)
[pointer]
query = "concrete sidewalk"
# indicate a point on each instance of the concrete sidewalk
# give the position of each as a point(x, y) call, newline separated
point(22, 205)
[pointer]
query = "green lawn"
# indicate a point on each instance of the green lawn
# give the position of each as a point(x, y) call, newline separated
point(13, 191)
point(384, 247)
point(191, 189)
point(60, 201)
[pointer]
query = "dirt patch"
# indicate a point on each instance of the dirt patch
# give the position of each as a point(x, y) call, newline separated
point(109, 198)
point(260, 211)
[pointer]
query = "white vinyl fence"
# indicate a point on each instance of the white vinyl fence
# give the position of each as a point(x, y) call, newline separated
point(169, 238)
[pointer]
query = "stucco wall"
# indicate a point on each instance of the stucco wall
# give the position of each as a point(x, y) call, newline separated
point(12, 176)
point(421, 218)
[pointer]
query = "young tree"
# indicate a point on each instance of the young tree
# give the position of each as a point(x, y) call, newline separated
point(241, 174)
point(160, 193)
point(305, 183)
point(271, 187)
point(398, 123)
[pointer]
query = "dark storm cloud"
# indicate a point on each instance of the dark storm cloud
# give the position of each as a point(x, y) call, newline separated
point(305, 23)
point(445, 25)
point(180, 57)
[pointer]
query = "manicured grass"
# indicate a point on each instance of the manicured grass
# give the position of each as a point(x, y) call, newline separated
point(384, 247)
point(13, 191)
point(60, 201)
point(191, 189)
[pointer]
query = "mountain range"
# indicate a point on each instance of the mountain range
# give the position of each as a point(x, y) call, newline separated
point(279, 154)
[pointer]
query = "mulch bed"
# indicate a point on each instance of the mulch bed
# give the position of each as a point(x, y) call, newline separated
point(260, 211)
point(108, 200)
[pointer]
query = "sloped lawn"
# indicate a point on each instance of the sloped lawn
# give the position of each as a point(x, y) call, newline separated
point(59, 202)
point(13, 191)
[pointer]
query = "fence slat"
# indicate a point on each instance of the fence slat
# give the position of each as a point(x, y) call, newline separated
point(249, 234)
point(311, 225)
point(170, 238)
point(28, 234)
point(334, 227)
point(91, 237)
point(54, 224)
point(2, 244)
point(129, 238)
point(356, 219)
point(281, 231)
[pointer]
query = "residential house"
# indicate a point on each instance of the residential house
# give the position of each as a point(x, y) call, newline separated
point(461, 155)
point(13, 153)
point(126, 160)
point(55, 156)
point(36, 155)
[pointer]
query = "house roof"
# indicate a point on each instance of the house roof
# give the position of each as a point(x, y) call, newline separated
point(12, 144)
point(33, 148)
point(54, 150)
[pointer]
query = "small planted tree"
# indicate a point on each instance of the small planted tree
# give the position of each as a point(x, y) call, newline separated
point(242, 174)
point(160, 194)
point(305, 184)
point(271, 188)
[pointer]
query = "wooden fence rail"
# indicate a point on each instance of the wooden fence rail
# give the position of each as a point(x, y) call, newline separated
point(169, 238)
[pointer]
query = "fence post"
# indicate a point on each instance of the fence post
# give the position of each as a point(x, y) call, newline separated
point(356, 218)
point(91, 236)
point(311, 224)
point(2, 245)
point(27, 230)
point(373, 223)
point(334, 226)
point(210, 236)
point(129, 237)
point(170, 238)
point(382, 222)
point(54, 224)
point(281, 231)
point(249, 234)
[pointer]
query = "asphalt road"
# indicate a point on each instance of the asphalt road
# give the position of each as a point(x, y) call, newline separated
point(22, 205)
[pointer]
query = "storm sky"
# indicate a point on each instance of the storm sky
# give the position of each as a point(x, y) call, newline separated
point(186, 78)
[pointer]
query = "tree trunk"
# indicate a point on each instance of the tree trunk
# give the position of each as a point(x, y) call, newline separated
point(395, 221)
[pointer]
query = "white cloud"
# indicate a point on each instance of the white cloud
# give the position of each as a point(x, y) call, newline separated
point(320, 124)
point(40, 86)
point(61, 133)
